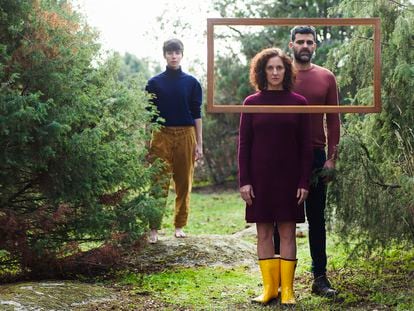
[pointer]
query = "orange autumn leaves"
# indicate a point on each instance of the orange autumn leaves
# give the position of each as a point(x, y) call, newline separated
point(47, 34)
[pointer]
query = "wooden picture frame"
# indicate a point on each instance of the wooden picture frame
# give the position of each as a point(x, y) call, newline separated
point(235, 108)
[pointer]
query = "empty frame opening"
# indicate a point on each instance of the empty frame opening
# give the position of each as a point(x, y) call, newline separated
point(228, 60)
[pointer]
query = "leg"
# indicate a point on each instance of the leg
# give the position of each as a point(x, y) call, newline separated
point(269, 266)
point(287, 276)
point(159, 151)
point(287, 239)
point(159, 191)
point(276, 243)
point(183, 169)
point(265, 248)
point(315, 213)
point(287, 260)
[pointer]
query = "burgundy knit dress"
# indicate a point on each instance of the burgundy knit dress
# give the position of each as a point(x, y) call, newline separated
point(275, 157)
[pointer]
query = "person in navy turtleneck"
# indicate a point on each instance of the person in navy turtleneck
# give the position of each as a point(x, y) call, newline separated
point(178, 144)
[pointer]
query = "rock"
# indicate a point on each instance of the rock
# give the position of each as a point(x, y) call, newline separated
point(51, 295)
point(193, 251)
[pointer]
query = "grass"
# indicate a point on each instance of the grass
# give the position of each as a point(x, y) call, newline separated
point(381, 282)
point(215, 213)
point(200, 288)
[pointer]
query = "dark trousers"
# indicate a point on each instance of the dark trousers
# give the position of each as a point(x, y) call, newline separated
point(315, 214)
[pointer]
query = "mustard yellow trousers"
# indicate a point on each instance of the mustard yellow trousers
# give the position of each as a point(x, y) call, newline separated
point(174, 146)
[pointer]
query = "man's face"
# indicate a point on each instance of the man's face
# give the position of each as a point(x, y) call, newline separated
point(173, 59)
point(303, 47)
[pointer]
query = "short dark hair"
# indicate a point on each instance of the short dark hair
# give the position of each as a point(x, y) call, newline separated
point(258, 69)
point(172, 45)
point(302, 30)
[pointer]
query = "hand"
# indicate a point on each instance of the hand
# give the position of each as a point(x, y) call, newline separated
point(328, 166)
point(301, 194)
point(198, 152)
point(247, 194)
point(150, 157)
point(148, 148)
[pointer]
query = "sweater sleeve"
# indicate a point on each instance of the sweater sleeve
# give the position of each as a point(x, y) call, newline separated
point(244, 148)
point(332, 120)
point(151, 89)
point(306, 153)
point(196, 100)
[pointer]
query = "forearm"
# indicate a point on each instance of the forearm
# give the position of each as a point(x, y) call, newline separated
point(333, 134)
point(333, 121)
point(199, 131)
point(147, 135)
point(244, 149)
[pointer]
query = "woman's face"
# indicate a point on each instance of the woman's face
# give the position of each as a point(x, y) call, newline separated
point(275, 73)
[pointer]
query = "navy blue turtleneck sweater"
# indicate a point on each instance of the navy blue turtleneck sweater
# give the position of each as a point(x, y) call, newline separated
point(178, 97)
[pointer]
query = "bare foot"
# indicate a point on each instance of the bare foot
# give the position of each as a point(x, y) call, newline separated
point(179, 233)
point(153, 236)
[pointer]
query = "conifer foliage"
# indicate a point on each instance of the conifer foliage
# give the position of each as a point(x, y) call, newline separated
point(72, 168)
point(373, 196)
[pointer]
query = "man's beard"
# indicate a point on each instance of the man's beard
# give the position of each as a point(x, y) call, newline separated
point(303, 56)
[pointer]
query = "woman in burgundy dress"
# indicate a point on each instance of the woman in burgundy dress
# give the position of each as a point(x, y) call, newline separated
point(275, 159)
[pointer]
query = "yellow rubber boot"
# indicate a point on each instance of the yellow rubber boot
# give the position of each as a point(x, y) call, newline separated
point(270, 269)
point(287, 275)
point(278, 280)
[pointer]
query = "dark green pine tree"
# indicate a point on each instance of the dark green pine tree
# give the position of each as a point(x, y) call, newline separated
point(72, 135)
point(373, 198)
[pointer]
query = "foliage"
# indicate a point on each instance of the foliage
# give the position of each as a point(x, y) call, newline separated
point(280, 36)
point(221, 130)
point(373, 198)
point(72, 162)
point(132, 66)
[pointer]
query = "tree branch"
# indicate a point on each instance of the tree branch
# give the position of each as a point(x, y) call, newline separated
point(238, 31)
point(21, 191)
point(401, 4)
point(379, 183)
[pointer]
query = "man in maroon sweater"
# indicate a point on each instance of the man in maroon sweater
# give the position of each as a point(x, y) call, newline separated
point(318, 86)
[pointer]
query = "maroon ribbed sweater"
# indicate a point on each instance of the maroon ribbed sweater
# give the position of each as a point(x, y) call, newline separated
point(318, 86)
point(275, 157)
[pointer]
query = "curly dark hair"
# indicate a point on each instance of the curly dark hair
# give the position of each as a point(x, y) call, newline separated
point(258, 69)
